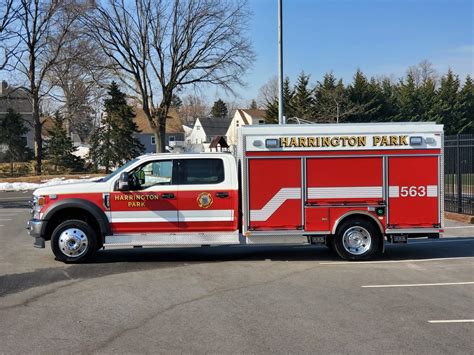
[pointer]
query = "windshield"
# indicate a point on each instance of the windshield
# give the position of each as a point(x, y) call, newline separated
point(119, 170)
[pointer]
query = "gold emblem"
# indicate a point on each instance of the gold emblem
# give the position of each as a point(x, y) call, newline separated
point(204, 200)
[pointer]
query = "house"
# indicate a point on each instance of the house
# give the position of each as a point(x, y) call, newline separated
point(174, 130)
point(206, 129)
point(243, 117)
point(18, 100)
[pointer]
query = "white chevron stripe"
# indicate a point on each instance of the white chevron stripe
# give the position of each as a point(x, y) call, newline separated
point(172, 216)
point(394, 191)
point(345, 192)
point(432, 191)
point(287, 193)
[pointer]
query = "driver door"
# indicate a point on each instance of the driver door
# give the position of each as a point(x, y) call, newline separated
point(150, 205)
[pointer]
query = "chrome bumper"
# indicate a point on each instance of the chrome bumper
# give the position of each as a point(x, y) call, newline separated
point(34, 227)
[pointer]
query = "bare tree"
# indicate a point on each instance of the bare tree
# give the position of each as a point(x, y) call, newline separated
point(42, 34)
point(159, 47)
point(194, 106)
point(81, 79)
point(423, 72)
point(268, 92)
point(8, 11)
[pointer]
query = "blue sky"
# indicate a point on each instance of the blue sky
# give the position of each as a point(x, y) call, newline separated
point(382, 37)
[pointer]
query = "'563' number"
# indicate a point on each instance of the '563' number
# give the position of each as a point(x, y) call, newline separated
point(413, 191)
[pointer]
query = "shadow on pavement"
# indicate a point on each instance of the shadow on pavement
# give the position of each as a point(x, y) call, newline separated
point(111, 262)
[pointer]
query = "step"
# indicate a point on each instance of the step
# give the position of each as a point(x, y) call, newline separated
point(173, 239)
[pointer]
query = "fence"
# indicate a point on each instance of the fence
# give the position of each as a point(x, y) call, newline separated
point(459, 173)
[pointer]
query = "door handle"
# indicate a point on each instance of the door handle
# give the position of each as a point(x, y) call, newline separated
point(222, 194)
point(168, 196)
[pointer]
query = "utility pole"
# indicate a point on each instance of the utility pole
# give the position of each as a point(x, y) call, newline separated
point(281, 118)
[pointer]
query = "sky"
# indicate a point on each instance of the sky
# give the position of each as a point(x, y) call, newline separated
point(381, 37)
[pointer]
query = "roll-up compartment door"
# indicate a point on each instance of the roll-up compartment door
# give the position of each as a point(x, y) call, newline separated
point(413, 191)
point(275, 194)
point(334, 180)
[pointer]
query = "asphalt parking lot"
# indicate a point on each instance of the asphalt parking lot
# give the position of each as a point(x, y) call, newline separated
point(418, 298)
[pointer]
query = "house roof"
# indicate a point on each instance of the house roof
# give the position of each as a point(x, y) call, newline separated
point(219, 141)
point(255, 113)
point(173, 122)
point(242, 115)
point(215, 126)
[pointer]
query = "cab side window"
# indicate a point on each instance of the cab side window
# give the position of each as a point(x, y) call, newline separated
point(201, 171)
point(153, 173)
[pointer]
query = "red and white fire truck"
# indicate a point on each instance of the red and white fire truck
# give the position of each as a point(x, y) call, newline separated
point(352, 187)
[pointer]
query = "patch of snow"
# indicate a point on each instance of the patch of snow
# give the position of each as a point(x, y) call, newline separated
point(22, 186)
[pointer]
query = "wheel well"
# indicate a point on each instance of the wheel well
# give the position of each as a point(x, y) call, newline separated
point(363, 216)
point(72, 213)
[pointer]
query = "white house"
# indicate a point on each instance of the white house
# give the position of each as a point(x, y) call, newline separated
point(243, 117)
point(205, 130)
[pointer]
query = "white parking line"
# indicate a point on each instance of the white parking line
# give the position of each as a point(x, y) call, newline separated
point(348, 263)
point(458, 227)
point(461, 239)
point(422, 285)
point(6, 219)
point(451, 321)
point(1, 225)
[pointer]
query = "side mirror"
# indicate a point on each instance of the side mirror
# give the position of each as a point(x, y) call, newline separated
point(123, 183)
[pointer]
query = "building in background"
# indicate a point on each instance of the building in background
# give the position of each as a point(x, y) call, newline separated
point(205, 130)
point(243, 117)
point(174, 130)
point(18, 100)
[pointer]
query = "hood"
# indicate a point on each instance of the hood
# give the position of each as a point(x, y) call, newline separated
point(72, 188)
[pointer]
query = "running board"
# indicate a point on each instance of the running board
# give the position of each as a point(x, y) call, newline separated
point(173, 239)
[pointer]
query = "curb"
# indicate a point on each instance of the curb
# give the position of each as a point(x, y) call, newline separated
point(459, 217)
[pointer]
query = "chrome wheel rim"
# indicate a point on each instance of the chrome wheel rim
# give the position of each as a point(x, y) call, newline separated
point(73, 242)
point(356, 240)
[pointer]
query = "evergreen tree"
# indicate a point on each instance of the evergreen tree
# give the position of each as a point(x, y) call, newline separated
point(253, 105)
point(427, 99)
point(466, 107)
point(219, 109)
point(363, 95)
point(61, 147)
point(328, 97)
point(302, 100)
point(12, 130)
point(271, 108)
point(176, 102)
point(409, 107)
point(388, 97)
point(113, 143)
point(447, 108)
point(271, 111)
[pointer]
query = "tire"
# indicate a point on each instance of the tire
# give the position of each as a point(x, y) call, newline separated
point(73, 241)
point(357, 239)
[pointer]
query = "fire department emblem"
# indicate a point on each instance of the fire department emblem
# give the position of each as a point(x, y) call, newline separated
point(204, 200)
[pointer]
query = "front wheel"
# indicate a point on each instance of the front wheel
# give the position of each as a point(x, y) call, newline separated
point(73, 241)
point(357, 239)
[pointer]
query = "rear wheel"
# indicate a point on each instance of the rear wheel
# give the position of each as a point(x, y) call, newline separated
point(357, 239)
point(73, 241)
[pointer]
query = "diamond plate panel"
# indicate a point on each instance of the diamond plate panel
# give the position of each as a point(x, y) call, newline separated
point(209, 238)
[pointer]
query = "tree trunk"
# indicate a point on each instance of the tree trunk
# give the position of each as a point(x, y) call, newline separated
point(38, 137)
point(160, 135)
point(11, 167)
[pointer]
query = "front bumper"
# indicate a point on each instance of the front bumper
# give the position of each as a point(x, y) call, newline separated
point(34, 227)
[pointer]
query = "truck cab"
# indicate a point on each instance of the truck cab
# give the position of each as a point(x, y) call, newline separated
point(155, 199)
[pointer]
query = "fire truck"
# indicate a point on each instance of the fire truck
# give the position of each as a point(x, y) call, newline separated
point(351, 187)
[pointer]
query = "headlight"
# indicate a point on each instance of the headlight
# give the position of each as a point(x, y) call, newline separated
point(36, 206)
